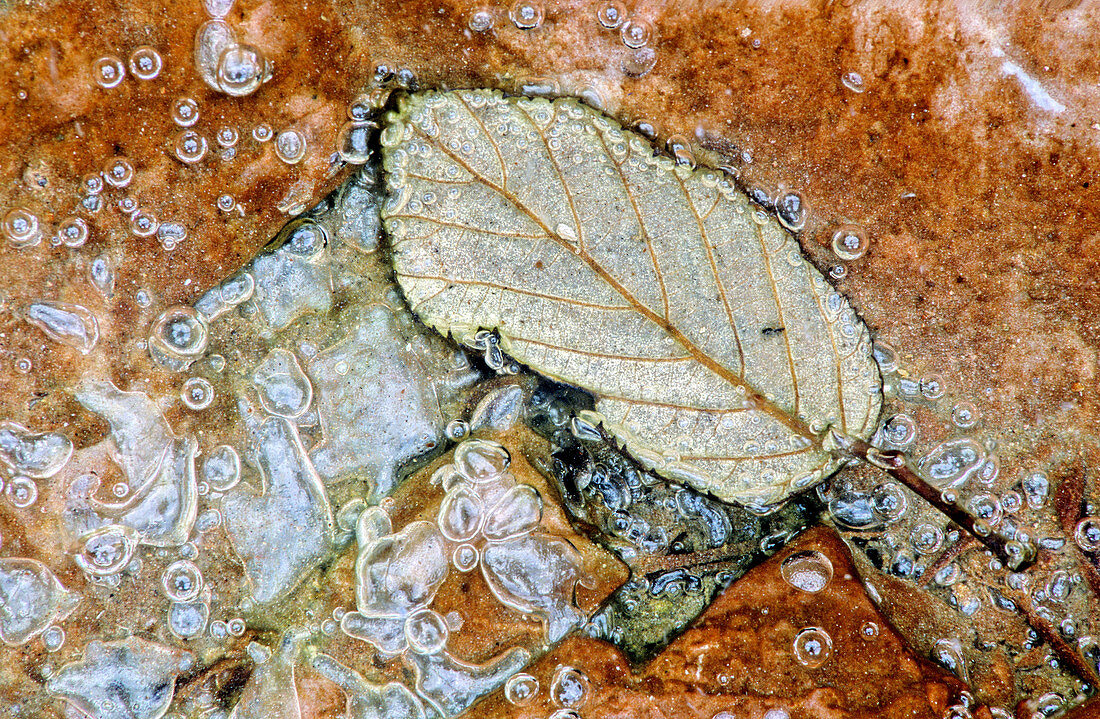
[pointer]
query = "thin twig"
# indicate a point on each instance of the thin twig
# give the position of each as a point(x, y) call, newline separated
point(1053, 637)
point(1016, 555)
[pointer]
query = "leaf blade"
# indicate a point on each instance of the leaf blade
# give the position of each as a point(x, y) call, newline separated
point(718, 354)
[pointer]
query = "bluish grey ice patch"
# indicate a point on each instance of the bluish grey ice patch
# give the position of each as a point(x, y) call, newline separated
point(139, 433)
point(38, 455)
point(378, 397)
point(31, 599)
point(129, 678)
point(285, 530)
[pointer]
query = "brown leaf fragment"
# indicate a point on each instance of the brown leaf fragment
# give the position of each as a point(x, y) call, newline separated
point(742, 656)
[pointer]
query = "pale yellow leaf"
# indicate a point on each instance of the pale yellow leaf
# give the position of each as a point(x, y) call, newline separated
point(718, 355)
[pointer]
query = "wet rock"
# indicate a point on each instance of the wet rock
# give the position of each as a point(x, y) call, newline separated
point(765, 646)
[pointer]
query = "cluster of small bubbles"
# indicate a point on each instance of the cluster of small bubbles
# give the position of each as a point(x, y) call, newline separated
point(185, 112)
point(457, 429)
point(171, 234)
point(118, 172)
point(611, 14)
point(465, 557)
point(1087, 534)
point(853, 81)
point(241, 70)
point(481, 21)
point(226, 203)
point(1036, 486)
point(569, 687)
point(21, 227)
point(964, 415)
point(900, 430)
point(236, 626)
point(197, 393)
point(290, 146)
point(812, 647)
point(21, 492)
point(73, 232)
point(190, 147)
point(888, 501)
point(791, 211)
point(108, 71)
point(103, 275)
point(850, 242)
point(23, 365)
point(222, 468)
point(92, 183)
point(53, 638)
point(525, 14)
point(987, 508)
point(144, 223)
point(353, 142)
point(146, 63)
point(808, 571)
point(926, 538)
point(106, 551)
point(227, 136)
point(182, 581)
point(521, 689)
point(635, 33)
point(931, 387)
point(127, 205)
point(262, 132)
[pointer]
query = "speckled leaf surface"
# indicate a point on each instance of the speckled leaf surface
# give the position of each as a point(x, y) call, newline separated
point(718, 354)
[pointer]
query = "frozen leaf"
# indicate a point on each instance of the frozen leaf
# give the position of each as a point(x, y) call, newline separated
point(718, 354)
